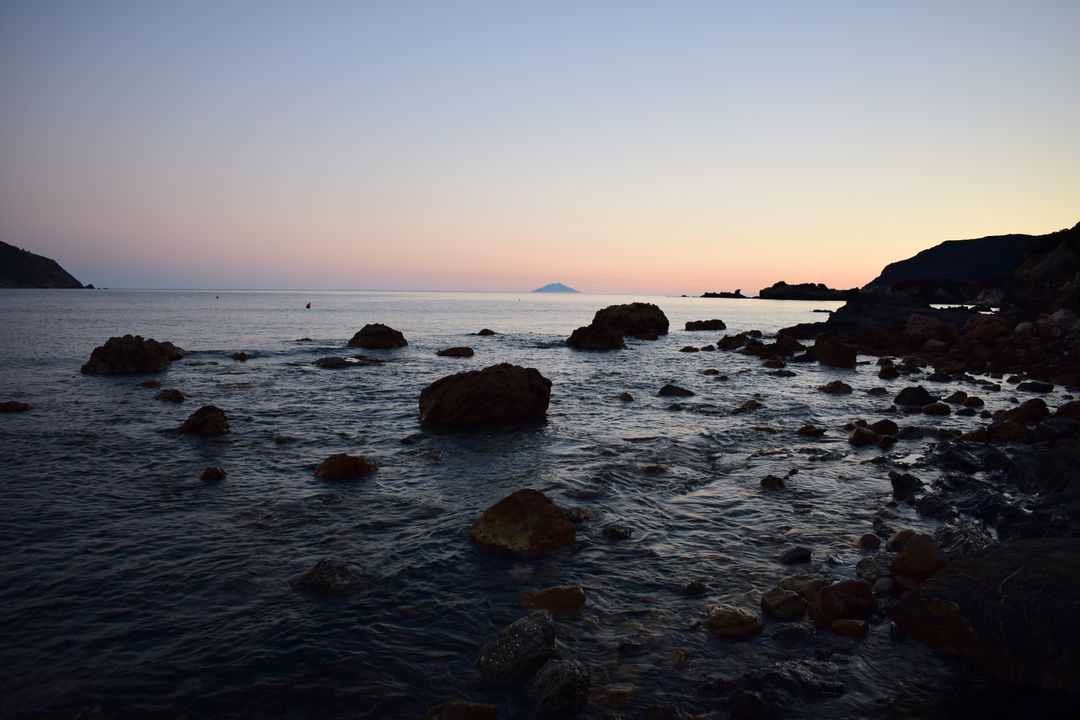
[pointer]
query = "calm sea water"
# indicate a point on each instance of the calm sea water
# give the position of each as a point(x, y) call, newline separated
point(128, 583)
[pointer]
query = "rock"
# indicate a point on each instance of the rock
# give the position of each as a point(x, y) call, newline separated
point(207, 421)
point(525, 522)
point(693, 588)
point(783, 605)
point(1035, 386)
point(904, 485)
point(131, 354)
point(772, 482)
point(592, 337)
point(694, 325)
point(342, 466)
point(634, 319)
point(670, 390)
point(689, 349)
point(556, 598)
point(957, 398)
point(844, 599)
point(917, 560)
point(457, 352)
point(868, 541)
point(885, 427)
point(240, 356)
point(874, 567)
point(497, 395)
point(806, 584)
point(1008, 432)
point(337, 363)
point(895, 543)
point(13, 406)
point(748, 406)
point(149, 384)
point(916, 396)
point(376, 336)
point(836, 387)
point(936, 409)
point(1010, 610)
point(212, 474)
point(877, 392)
point(560, 688)
point(518, 650)
point(1033, 410)
point(486, 333)
point(811, 431)
point(1068, 411)
point(170, 395)
point(834, 354)
point(865, 436)
point(794, 555)
point(617, 531)
point(330, 577)
point(889, 372)
point(626, 397)
point(973, 402)
point(730, 621)
point(459, 710)
point(934, 506)
point(849, 627)
point(985, 328)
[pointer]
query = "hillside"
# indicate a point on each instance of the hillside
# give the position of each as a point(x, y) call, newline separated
point(23, 269)
point(980, 260)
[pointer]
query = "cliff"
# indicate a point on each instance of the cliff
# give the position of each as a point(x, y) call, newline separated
point(24, 269)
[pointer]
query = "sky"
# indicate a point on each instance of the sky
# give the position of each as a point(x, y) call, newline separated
point(666, 147)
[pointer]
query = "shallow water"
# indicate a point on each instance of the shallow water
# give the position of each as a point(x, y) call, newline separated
point(129, 583)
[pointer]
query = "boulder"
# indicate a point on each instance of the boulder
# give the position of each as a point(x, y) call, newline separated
point(985, 328)
point(376, 336)
point(844, 599)
point(1033, 410)
point(486, 332)
point(865, 436)
point(695, 325)
point(794, 555)
point(13, 406)
point(460, 710)
point(836, 387)
point(670, 390)
point(634, 319)
point(730, 621)
point(783, 605)
point(518, 650)
point(342, 466)
point(458, 352)
point(524, 522)
point(917, 560)
point(556, 598)
point(884, 427)
point(833, 353)
point(131, 354)
point(332, 577)
point(497, 395)
point(850, 627)
point(904, 485)
point(170, 395)
point(560, 688)
point(916, 396)
point(207, 421)
point(593, 337)
point(1011, 610)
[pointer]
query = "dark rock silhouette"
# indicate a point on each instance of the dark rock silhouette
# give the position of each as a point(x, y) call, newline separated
point(525, 522)
point(804, 291)
point(518, 650)
point(694, 325)
point(13, 406)
point(735, 295)
point(342, 466)
point(458, 352)
point(502, 394)
point(461, 710)
point(131, 354)
point(23, 269)
point(640, 320)
point(170, 395)
point(207, 421)
point(987, 258)
point(330, 577)
point(376, 336)
point(592, 337)
point(560, 688)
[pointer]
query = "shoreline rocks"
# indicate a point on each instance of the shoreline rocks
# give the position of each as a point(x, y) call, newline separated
point(207, 421)
point(610, 325)
point(525, 522)
point(342, 466)
point(502, 394)
point(130, 355)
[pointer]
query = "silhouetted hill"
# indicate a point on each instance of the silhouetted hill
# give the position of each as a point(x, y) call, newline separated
point(804, 291)
point(24, 269)
point(555, 288)
point(981, 260)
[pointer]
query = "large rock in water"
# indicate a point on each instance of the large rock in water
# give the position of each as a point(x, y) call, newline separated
point(376, 336)
point(518, 650)
point(207, 421)
point(593, 337)
point(611, 324)
point(525, 522)
point(497, 395)
point(1012, 610)
point(131, 354)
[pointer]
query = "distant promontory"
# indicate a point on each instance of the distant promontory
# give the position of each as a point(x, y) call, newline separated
point(23, 269)
point(555, 288)
point(804, 291)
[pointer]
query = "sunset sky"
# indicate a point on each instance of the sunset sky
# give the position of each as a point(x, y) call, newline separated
point(613, 146)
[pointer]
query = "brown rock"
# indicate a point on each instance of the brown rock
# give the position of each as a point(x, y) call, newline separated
point(633, 319)
point(459, 710)
point(985, 328)
point(917, 561)
point(341, 466)
point(1033, 410)
point(376, 336)
point(849, 627)
point(869, 541)
point(556, 598)
point(783, 605)
point(733, 622)
point(885, 427)
point(497, 395)
point(131, 354)
point(593, 337)
point(525, 522)
point(844, 599)
point(1008, 432)
point(865, 436)
point(938, 408)
point(896, 542)
point(811, 431)
point(836, 387)
point(834, 354)
point(213, 474)
point(207, 421)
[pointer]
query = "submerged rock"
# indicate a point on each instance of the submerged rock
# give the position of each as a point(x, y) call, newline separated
point(558, 597)
point(13, 406)
point(733, 622)
point(170, 395)
point(844, 599)
point(330, 577)
point(560, 688)
point(518, 650)
point(525, 522)
point(338, 363)
point(212, 474)
point(342, 466)
point(500, 394)
point(783, 605)
point(670, 390)
point(457, 352)
point(131, 354)
point(207, 421)
point(376, 336)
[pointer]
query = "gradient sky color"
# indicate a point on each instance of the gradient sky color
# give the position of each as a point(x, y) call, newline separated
point(613, 146)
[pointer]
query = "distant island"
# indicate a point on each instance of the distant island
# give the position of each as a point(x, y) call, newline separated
point(804, 291)
point(23, 269)
point(555, 288)
point(737, 294)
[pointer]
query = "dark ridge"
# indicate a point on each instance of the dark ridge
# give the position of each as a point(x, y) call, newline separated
point(979, 260)
point(804, 291)
point(23, 269)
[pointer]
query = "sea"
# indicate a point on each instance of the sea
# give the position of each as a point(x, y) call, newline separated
point(131, 588)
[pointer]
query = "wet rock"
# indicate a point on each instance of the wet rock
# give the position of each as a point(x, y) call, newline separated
point(518, 650)
point(283, 439)
point(556, 598)
point(794, 555)
point(560, 688)
point(376, 336)
point(486, 333)
point(342, 466)
point(525, 522)
point(456, 352)
point(1010, 610)
point(708, 348)
point(974, 402)
point(861, 436)
point(131, 354)
point(916, 396)
point(811, 431)
point(13, 406)
point(748, 406)
point(207, 421)
point(895, 543)
point(936, 409)
point(706, 325)
point(783, 605)
point(730, 621)
point(502, 394)
point(806, 584)
point(918, 560)
point(836, 387)
point(1068, 411)
point(904, 485)
point(934, 506)
point(693, 588)
point(885, 427)
point(985, 328)
point(834, 354)
point(844, 599)
point(617, 531)
point(632, 645)
point(670, 390)
point(626, 397)
point(212, 474)
point(956, 398)
point(962, 538)
point(240, 356)
point(772, 482)
point(149, 385)
point(1033, 410)
point(170, 395)
point(877, 391)
point(874, 567)
point(689, 349)
point(1035, 386)
point(459, 710)
point(1009, 432)
point(339, 363)
point(774, 692)
point(868, 541)
point(889, 372)
point(849, 627)
point(332, 577)
point(592, 337)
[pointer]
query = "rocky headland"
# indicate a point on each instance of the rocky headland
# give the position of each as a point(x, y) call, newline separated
point(23, 269)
